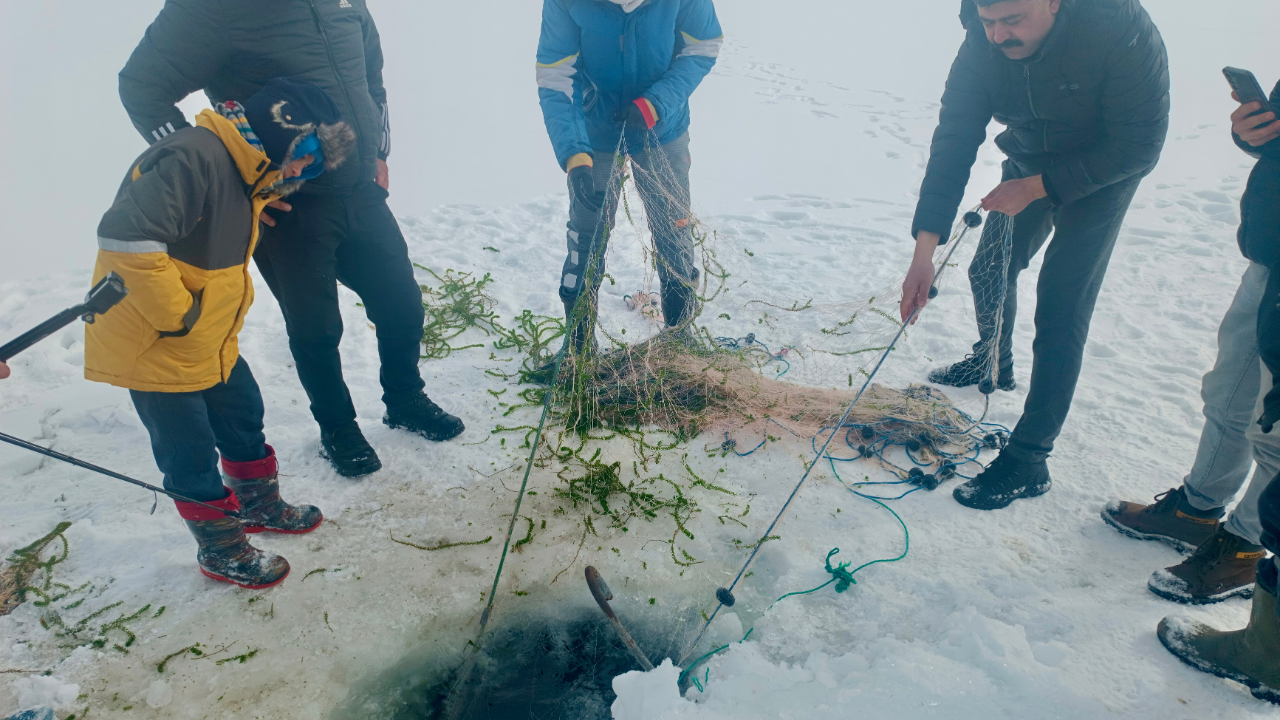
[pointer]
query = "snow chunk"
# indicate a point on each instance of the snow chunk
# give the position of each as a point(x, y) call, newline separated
point(648, 695)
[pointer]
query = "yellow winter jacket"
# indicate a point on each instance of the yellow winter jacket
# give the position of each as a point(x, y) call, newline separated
point(180, 232)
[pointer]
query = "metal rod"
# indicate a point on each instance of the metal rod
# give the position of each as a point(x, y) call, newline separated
point(600, 591)
point(18, 442)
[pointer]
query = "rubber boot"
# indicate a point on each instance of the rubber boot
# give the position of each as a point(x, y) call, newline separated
point(578, 330)
point(225, 553)
point(257, 487)
point(1171, 520)
point(1223, 567)
point(1250, 656)
point(679, 304)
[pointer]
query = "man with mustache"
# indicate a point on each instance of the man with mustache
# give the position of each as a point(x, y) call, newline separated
point(1082, 87)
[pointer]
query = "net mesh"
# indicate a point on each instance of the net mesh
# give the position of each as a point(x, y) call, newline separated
point(619, 403)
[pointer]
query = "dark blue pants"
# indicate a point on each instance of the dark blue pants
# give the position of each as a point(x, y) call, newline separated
point(1269, 513)
point(188, 431)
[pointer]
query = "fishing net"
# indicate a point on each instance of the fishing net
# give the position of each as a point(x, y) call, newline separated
point(623, 401)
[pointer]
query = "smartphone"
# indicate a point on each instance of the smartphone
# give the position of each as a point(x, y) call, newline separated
point(1247, 89)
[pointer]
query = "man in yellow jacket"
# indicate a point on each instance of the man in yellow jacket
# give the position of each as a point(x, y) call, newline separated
point(180, 232)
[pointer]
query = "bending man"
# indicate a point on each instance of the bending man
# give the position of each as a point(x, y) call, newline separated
point(1083, 88)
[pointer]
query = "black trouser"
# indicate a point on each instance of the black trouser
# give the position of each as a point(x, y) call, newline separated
point(1269, 513)
point(1084, 234)
point(189, 429)
point(353, 239)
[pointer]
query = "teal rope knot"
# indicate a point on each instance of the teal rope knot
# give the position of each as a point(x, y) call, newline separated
point(840, 573)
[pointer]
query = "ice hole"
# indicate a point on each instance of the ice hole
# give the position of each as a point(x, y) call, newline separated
point(553, 660)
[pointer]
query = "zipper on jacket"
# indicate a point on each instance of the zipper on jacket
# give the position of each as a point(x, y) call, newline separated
point(1031, 103)
point(337, 76)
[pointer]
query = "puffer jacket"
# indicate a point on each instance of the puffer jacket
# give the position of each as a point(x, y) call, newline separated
point(1259, 238)
point(1088, 110)
point(180, 233)
point(231, 48)
point(593, 58)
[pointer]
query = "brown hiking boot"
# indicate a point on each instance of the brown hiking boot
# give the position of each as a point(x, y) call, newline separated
point(1171, 520)
point(1223, 567)
point(1250, 656)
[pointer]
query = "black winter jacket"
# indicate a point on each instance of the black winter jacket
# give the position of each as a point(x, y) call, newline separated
point(231, 48)
point(1088, 110)
point(1259, 238)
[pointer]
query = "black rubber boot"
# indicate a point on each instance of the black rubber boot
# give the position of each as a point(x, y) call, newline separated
point(1006, 479)
point(578, 331)
point(225, 553)
point(418, 414)
point(257, 486)
point(972, 370)
point(347, 450)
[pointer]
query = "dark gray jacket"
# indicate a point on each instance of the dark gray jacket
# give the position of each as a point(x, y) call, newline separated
point(1259, 238)
point(1088, 110)
point(231, 48)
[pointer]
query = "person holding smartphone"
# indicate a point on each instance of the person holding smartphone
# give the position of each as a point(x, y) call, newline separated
point(1236, 421)
point(1082, 87)
point(1192, 517)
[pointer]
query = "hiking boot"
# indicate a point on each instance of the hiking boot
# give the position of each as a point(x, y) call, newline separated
point(419, 415)
point(1250, 656)
point(257, 487)
point(347, 450)
point(1006, 479)
point(225, 553)
point(972, 370)
point(1223, 567)
point(1171, 520)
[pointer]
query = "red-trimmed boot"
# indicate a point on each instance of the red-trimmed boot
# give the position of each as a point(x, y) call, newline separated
point(225, 553)
point(256, 485)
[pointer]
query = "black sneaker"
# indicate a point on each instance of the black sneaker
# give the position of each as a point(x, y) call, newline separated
point(418, 414)
point(972, 370)
point(348, 451)
point(1006, 479)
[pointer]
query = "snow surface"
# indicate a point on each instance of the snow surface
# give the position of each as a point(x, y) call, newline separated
point(809, 143)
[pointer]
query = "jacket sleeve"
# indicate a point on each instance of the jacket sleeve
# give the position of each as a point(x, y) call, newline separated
point(697, 47)
point(1257, 151)
point(373, 69)
point(157, 209)
point(560, 84)
point(1269, 349)
point(180, 53)
point(962, 127)
point(1135, 118)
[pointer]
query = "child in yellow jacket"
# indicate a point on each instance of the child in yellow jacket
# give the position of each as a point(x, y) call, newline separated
point(180, 232)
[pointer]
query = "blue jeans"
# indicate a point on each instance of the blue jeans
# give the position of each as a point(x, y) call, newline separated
point(1232, 441)
point(188, 430)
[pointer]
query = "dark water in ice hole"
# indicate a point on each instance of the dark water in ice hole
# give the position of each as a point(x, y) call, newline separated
point(554, 664)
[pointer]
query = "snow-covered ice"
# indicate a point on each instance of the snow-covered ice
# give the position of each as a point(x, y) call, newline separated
point(809, 141)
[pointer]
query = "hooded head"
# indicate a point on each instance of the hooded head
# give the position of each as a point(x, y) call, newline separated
point(293, 120)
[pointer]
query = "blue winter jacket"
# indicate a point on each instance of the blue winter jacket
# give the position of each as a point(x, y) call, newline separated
point(594, 58)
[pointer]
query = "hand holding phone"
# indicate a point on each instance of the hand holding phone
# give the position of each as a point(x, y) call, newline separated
point(1254, 121)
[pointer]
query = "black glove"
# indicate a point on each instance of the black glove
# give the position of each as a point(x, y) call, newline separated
point(630, 115)
point(582, 188)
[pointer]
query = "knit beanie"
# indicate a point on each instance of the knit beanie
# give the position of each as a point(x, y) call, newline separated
point(293, 119)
